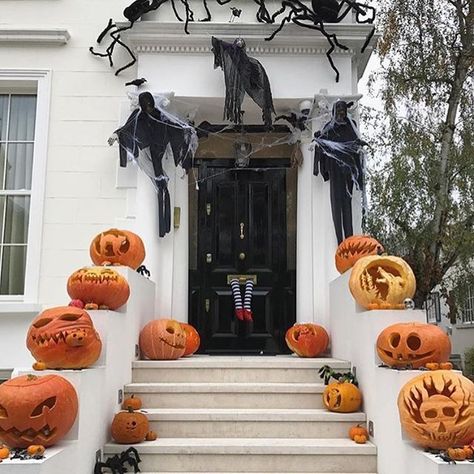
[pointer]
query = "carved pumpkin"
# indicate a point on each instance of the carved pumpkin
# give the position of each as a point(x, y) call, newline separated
point(162, 339)
point(129, 427)
point(192, 339)
point(63, 338)
point(119, 247)
point(413, 344)
point(342, 397)
point(437, 409)
point(382, 282)
point(354, 248)
point(307, 340)
point(36, 410)
point(99, 285)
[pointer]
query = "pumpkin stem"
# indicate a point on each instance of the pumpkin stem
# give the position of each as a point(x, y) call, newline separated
point(30, 377)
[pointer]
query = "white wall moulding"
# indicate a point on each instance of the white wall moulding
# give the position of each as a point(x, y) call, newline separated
point(36, 36)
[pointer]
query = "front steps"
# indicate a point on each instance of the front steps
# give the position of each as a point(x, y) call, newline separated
point(243, 414)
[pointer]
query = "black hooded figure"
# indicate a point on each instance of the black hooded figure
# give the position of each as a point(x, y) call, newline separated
point(150, 130)
point(242, 74)
point(338, 157)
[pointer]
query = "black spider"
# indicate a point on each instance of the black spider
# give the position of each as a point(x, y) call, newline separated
point(315, 18)
point(116, 462)
point(142, 270)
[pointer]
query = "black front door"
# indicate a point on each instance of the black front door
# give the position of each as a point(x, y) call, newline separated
point(242, 230)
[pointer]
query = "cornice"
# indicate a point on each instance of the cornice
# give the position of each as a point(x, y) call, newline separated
point(37, 36)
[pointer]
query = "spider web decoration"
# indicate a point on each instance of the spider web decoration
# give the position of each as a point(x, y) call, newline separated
point(315, 17)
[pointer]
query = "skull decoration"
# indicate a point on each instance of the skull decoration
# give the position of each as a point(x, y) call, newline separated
point(307, 340)
point(353, 248)
point(382, 282)
point(413, 344)
point(119, 247)
point(36, 410)
point(163, 339)
point(129, 427)
point(342, 397)
point(64, 338)
point(437, 409)
point(99, 285)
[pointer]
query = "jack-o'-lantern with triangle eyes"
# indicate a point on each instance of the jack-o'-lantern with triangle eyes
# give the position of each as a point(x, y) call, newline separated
point(413, 344)
point(36, 410)
point(64, 338)
point(100, 286)
point(117, 247)
point(354, 248)
point(437, 409)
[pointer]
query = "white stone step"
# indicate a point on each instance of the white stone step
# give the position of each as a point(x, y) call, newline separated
point(253, 455)
point(250, 423)
point(228, 395)
point(285, 368)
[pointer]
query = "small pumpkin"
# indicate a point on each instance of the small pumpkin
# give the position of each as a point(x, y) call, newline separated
point(4, 452)
point(469, 451)
point(100, 286)
point(382, 282)
point(354, 248)
point(39, 366)
point(35, 450)
point(193, 339)
point(358, 431)
point(360, 439)
point(129, 427)
point(446, 366)
point(118, 247)
point(151, 436)
point(307, 340)
point(432, 365)
point(132, 402)
point(342, 397)
point(162, 339)
point(457, 454)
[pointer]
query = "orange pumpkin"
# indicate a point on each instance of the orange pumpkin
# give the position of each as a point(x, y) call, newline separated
point(457, 454)
point(382, 282)
point(118, 247)
point(129, 427)
point(132, 402)
point(360, 439)
point(4, 452)
point(353, 248)
point(36, 410)
point(36, 450)
point(39, 366)
point(469, 451)
point(342, 397)
point(437, 409)
point(414, 344)
point(358, 431)
point(192, 339)
point(63, 337)
point(307, 340)
point(151, 436)
point(99, 285)
point(162, 339)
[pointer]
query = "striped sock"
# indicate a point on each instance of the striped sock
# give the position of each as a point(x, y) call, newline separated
point(238, 309)
point(248, 300)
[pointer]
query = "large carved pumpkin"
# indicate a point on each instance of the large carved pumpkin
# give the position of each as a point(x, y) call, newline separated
point(102, 286)
point(307, 340)
point(162, 339)
point(413, 344)
point(129, 427)
point(36, 410)
point(118, 247)
point(193, 339)
point(354, 248)
point(382, 282)
point(342, 397)
point(437, 409)
point(64, 338)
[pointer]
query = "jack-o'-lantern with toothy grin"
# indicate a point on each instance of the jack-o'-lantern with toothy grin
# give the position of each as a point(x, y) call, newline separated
point(163, 339)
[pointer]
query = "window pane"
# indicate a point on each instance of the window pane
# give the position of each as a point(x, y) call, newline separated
point(22, 117)
point(3, 116)
point(13, 270)
point(19, 166)
point(16, 222)
point(3, 149)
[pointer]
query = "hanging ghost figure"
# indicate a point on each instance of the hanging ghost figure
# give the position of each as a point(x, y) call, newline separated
point(338, 157)
point(148, 135)
point(242, 74)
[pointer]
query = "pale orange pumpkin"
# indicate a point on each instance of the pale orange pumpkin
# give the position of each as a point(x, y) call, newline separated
point(354, 248)
point(102, 286)
point(193, 339)
point(162, 339)
point(342, 397)
point(307, 340)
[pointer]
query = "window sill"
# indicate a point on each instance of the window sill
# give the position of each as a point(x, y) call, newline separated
point(464, 325)
point(12, 308)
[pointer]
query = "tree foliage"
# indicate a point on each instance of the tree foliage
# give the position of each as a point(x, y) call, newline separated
point(421, 175)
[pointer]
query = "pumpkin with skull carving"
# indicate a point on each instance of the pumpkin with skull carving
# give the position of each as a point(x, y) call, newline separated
point(99, 285)
point(162, 339)
point(36, 410)
point(307, 339)
point(413, 344)
point(64, 338)
point(382, 282)
point(118, 247)
point(437, 409)
point(354, 248)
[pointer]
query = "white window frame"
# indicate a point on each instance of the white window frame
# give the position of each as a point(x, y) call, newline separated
point(14, 81)
point(467, 312)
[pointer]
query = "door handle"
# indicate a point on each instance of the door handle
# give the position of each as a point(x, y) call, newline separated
point(242, 226)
